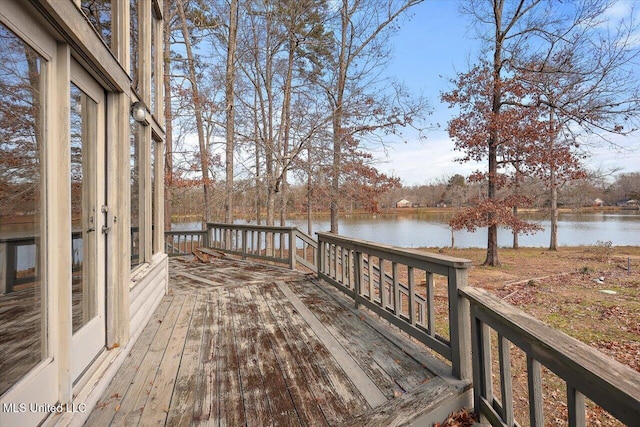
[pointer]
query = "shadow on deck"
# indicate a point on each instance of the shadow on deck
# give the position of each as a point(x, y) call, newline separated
point(237, 343)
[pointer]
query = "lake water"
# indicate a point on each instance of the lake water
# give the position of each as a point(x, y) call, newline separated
point(431, 230)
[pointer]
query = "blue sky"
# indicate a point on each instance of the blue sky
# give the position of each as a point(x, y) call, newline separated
point(428, 51)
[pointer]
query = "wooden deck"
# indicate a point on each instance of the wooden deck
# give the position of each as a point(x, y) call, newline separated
point(236, 343)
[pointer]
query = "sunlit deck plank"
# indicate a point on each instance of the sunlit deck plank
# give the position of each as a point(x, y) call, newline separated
point(137, 395)
point(264, 388)
point(157, 406)
point(111, 401)
point(205, 396)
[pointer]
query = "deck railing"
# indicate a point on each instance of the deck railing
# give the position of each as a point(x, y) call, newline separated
point(426, 295)
point(585, 371)
point(280, 245)
point(184, 242)
point(401, 286)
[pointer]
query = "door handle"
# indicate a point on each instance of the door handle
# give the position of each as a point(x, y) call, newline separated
point(108, 219)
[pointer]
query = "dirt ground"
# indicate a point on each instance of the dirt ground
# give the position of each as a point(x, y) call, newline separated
point(590, 293)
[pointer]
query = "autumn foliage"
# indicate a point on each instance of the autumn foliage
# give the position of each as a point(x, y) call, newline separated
point(509, 132)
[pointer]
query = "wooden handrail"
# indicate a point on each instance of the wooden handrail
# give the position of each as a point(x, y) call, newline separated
point(358, 268)
point(586, 371)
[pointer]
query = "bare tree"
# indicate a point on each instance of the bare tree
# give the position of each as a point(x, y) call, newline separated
point(359, 49)
point(230, 77)
point(192, 77)
point(533, 44)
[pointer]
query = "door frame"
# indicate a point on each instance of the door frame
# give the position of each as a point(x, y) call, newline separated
point(88, 342)
point(42, 383)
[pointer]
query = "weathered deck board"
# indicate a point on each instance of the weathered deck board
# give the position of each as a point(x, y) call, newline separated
point(322, 371)
point(255, 356)
point(229, 386)
point(227, 347)
point(205, 399)
point(396, 371)
point(137, 395)
point(157, 406)
point(110, 403)
point(183, 398)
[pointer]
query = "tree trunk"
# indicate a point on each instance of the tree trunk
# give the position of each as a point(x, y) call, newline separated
point(204, 155)
point(337, 105)
point(516, 244)
point(230, 79)
point(285, 125)
point(492, 232)
point(553, 244)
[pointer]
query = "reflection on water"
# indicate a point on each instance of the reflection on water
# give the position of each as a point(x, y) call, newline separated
point(432, 230)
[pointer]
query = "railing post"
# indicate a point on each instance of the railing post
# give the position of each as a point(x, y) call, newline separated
point(320, 256)
point(459, 324)
point(10, 267)
point(357, 279)
point(292, 249)
point(4, 246)
point(244, 243)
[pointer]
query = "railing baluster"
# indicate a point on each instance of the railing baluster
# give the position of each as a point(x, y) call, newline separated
point(371, 281)
point(412, 295)
point(384, 296)
point(430, 305)
point(358, 278)
point(575, 407)
point(505, 380)
point(534, 382)
point(397, 308)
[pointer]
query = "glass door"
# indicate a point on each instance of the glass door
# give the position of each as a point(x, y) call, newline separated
point(88, 198)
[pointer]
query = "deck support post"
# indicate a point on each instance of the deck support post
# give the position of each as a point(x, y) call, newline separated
point(292, 249)
point(459, 325)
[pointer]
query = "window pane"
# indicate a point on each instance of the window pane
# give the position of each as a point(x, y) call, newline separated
point(136, 135)
point(153, 66)
point(22, 287)
point(134, 31)
point(153, 196)
point(98, 13)
point(84, 116)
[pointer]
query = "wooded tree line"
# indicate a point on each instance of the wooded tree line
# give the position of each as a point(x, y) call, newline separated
point(279, 92)
point(456, 192)
point(282, 92)
point(453, 193)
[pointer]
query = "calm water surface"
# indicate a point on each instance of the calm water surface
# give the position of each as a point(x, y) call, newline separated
point(431, 230)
